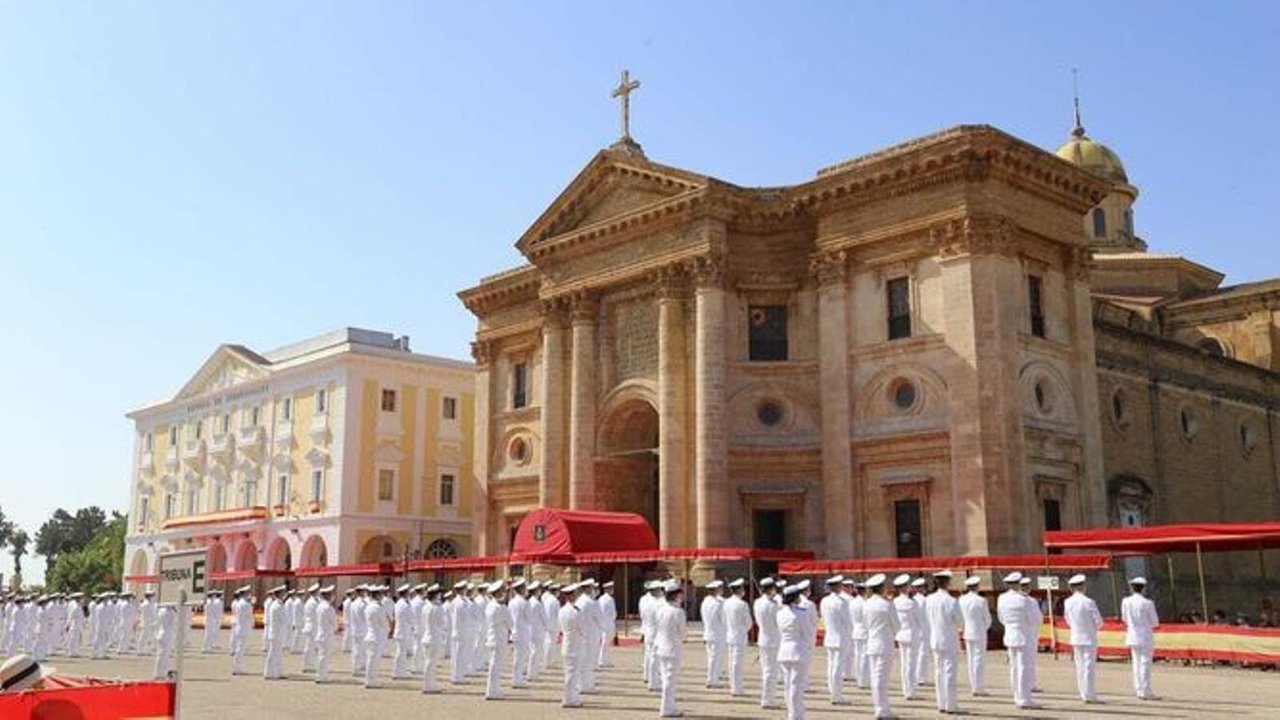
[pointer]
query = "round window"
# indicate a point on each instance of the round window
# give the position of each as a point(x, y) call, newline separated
point(904, 395)
point(518, 451)
point(770, 413)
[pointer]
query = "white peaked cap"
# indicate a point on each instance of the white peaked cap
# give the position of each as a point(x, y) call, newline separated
point(738, 583)
point(943, 574)
point(901, 580)
point(315, 587)
point(849, 581)
point(326, 589)
point(714, 585)
point(653, 585)
point(404, 588)
point(1013, 577)
point(804, 584)
point(570, 588)
point(535, 585)
point(1076, 579)
point(671, 586)
point(460, 585)
point(768, 582)
point(835, 579)
point(495, 586)
point(1026, 580)
point(608, 584)
point(918, 582)
point(433, 587)
point(790, 590)
point(517, 583)
point(973, 581)
point(1138, 581)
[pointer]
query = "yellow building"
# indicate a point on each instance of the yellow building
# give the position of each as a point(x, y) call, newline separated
point(343, 448)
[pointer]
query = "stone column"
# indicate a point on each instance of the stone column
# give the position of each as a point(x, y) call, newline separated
point(582, 391)
point(483, 540)
point(712, 449)
point(551, 475)
point(673, 482)
point(831, 271)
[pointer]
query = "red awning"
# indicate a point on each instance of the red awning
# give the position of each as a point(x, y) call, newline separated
point(959, 562)
point(553, 535)
point(722, 554)
point(459, 564)
point(143, 579)
point(248, 574)
point(360, 570)
point(1213, 537)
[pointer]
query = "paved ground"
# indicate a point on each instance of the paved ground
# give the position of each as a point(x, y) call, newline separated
point(211, 693)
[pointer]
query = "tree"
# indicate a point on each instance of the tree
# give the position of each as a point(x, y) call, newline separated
point(18, 541)
point(6, 529)
point(99, 566)
point(64, 533)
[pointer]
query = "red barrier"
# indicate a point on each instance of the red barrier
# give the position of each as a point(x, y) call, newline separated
point(1184, 641)
point(91, 699)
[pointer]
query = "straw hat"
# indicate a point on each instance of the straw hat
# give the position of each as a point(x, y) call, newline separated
point(21, 672)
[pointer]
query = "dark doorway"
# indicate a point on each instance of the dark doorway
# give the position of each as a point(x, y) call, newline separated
point(906, 516)
point(770, 529)
point(1052, 519)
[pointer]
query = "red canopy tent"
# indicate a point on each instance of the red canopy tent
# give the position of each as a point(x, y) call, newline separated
point(960, 562)
point(555, 536)
point(1187, 537)
point(355, 570)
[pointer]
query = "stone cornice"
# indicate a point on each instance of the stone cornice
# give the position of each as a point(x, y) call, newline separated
point(503, 289)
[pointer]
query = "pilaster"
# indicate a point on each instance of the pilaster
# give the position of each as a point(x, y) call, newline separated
point(582, 421)
point(551, 475)
point(673, 480)
point(711, 449)
point(831, 272)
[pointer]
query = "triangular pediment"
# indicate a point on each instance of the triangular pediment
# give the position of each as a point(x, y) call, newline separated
point(611, 185)
point(229, 365)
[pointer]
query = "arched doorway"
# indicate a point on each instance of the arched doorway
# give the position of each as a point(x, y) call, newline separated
point(314, 553)
point(627, 460)
point(217, 558)
point(278, 556)
point(247, 556)
point(380, 549)
point(138, 565)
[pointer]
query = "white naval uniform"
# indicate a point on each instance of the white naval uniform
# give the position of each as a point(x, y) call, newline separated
point(1033, 656)
point(402, 634)
point(737, 626)
point(669, 627)
point(856, 661)
point(797, 632)
point(712, 613)
point(75, 629)
point(99, 619)
point(537, 637)
point(166, 636)
point(212, 624)
point(521, 637)
point(1084, 620)
point(241, 627)
point(766, 611)
point(307, 638)
point(355, 627)
point(609, 622)
point(572, 650)
point(909, 634)
point(881, 619)
point(945, 625)
point(461, 630)
point(1140, 621)
point(324, 628)
point(434, 639)
point(416, 605)
point(273, 633)
point(593, 628)
point(648, 607)
point(837, 639)
point(497, 621)
point(551, 608)
point(977, 621)
point(346, 619)
point(1016, 614)
point(376, 627)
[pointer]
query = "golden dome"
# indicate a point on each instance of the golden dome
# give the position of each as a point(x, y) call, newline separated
point(1093, 156)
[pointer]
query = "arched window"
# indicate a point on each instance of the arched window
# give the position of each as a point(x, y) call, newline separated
point(1099, 222)
point(442, 548)
point(1128, 222)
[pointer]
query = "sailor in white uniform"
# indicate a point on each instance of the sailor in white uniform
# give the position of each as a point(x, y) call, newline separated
point(855, 667)
point(1140, 621)
point(497, 622)
point(1017, 615)
point(669, 636)
point(797, 632)
point(402, 633)
point(273, 631)
point(241, 628)
point(417, 601)
point(837, 637)
point(166, 637)
point(881, 619)
point(924, 658)
point(1037, 620)
point(713, 632)
point(609, 618)
point(354, 625)
point(324, 627)
point(307, 635)
point(946, 622)
point(648, 606)
point(737, 623)
point(1084, 621)
point(521, 632)
point(907, 635)
point(551, 609)
point(377, 625)
point(766, 609)
point(434, 639)
point(573, 647)
point(977, 621)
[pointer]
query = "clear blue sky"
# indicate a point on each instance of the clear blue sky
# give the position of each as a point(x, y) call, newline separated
point(178, 175)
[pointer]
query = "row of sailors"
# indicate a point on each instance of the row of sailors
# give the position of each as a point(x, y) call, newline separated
point(866, 624)
point(62, 623)
point(481, 628)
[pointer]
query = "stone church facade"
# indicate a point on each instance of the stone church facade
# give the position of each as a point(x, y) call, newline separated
point(940, 348)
